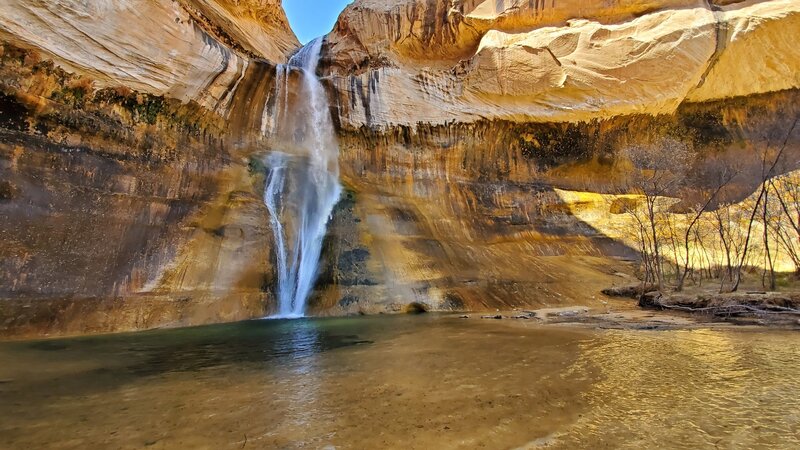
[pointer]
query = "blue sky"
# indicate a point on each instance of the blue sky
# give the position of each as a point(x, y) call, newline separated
point(312, 18)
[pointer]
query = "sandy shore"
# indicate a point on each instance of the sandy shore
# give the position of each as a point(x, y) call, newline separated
point(626, 314)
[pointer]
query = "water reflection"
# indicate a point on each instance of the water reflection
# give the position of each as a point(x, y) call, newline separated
point(403, 382)
point(685, 389)
point(276, 344)
point(301, 385)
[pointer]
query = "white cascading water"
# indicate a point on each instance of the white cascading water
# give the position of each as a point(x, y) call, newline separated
point(303, 183)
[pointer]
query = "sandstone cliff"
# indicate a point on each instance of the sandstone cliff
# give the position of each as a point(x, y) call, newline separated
point(132, 134)
point(580, 60)
point(189, 50)
point(128, 197)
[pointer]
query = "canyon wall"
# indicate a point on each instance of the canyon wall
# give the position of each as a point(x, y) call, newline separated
point(524, 61)
point(463, 123)
point(132, 135)
point(128, 195)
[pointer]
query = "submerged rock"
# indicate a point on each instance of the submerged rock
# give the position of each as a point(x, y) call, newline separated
point(570, 311)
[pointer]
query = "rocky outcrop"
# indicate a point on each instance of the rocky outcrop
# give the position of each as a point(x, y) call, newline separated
point(493, 214)
point(258, 28)
point(442, 32)
point(188, 50)
point(530, 62)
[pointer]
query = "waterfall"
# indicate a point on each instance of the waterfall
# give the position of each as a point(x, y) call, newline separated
point(303, 182)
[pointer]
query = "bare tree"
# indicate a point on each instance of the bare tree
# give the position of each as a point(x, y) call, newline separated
point(672, 234)
point(659, 171)
point(727, 220)
point(725, 174)
point(644, 242)
point(766, 219)
point(787, 228)
point(767, 173)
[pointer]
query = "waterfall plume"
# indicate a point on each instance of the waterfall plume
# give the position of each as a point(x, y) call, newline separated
point(303, 181)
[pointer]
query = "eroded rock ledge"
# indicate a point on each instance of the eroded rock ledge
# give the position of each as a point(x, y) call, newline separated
point(419, 62)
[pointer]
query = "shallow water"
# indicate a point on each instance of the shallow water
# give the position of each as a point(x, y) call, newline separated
point(403, 382)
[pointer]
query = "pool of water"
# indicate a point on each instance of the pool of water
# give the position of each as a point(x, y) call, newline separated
point(403, 382)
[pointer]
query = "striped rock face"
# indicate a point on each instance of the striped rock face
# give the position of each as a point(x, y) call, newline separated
point(489, 144)
point(485, 149)
point(568, 61)
point(127, 129)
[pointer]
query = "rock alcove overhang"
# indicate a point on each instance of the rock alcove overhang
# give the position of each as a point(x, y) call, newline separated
point(143, 193)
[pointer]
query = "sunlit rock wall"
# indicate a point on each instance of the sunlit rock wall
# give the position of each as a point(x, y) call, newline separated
point(473, 215)
point(130, 187)
point(460, 121)
point(577, 60)
point(131, 137)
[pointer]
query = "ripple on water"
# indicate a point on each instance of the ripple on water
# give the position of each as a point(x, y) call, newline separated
point(691, 388)
point(403, 382)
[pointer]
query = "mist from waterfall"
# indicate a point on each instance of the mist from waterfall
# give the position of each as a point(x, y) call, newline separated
point(303, 180)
